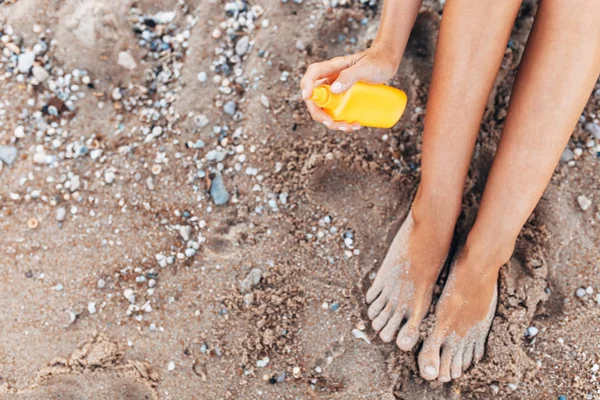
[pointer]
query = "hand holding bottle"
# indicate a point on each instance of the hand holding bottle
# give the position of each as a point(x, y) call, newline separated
point(375, 65)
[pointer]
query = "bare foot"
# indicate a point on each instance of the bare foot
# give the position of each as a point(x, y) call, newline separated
point(400, 295)
point(464, 315)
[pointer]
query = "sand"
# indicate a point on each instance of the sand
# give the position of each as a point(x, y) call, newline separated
point(289, 334)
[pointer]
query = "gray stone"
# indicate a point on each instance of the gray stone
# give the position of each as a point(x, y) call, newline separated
point(567, 155)
point(241, 47)
point(229, 107)
point(218, 192)
point(593, 128)
point(8, 154)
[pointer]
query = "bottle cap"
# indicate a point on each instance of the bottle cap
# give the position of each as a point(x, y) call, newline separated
point(320, 95)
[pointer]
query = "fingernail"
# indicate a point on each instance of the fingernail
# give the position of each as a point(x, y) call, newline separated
point(305, 94)
point(327, 123)
point(343, 128)
point(336, 87)
point(355, 128)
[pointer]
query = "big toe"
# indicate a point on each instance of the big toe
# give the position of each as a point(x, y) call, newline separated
point(429, 359)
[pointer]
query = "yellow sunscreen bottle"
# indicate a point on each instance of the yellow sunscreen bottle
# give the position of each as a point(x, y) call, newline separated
point(378, 106)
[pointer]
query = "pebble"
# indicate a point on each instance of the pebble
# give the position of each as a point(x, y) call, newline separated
point(218, 192)
point(171, 366)
point(512, 386)
point(264, 100)
point(101, 284)
point(584, 202)
point(19, 132)
point(567, 156)
point(230, 107)
point(593, 128)
point(25, 61)
point(562, 397)
point(190, 252)
point(262, 363)
point(92, 307)
point(241, 47)
point(129, 295)
point(40, 73)
point(202, 77)
point(361, 335)
point(59, 287)
point(531, 331)
point(495, 389)
point(185, 231)
point(8, 154)
point(580, 292)
point(109, 176)
point(61, 214)
point(126, 60)
point(251, 280)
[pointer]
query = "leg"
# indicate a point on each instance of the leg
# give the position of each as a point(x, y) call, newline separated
point(557, 74)
point(403, 287)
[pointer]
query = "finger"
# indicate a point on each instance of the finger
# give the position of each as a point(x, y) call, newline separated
point(355, 126)
point(318, 114)
point(340, 126)
point(348, 77)
point(318, 71)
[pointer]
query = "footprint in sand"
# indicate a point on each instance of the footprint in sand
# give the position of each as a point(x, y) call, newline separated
point(96, 370)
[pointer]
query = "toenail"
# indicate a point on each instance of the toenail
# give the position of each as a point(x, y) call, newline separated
point(429, 370)
point(444, 379)
point(405, 341)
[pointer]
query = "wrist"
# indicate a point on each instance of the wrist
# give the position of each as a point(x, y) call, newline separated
point(384, 49)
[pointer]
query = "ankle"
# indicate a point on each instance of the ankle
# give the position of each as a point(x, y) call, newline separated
point(438, 212)
point(488, 252)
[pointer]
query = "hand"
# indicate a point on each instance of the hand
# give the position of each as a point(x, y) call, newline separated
point(374, 65)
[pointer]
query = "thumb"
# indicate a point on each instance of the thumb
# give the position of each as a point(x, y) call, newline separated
point(347, 78)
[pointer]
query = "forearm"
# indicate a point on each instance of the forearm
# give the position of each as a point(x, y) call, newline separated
point(397, 20)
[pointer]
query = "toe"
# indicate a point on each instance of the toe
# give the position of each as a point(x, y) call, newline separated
point(479, 350)
point(383, 317)
point(456, 365)
point(389, 331)
point(373, 292)
point(445, 361)
point(377, 306)
point(429, 359)
point(467, 356)
point(409, 334)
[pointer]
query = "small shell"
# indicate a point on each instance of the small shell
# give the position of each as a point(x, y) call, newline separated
point(32, 223)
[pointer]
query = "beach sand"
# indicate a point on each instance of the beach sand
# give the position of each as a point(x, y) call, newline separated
point(121, 278)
